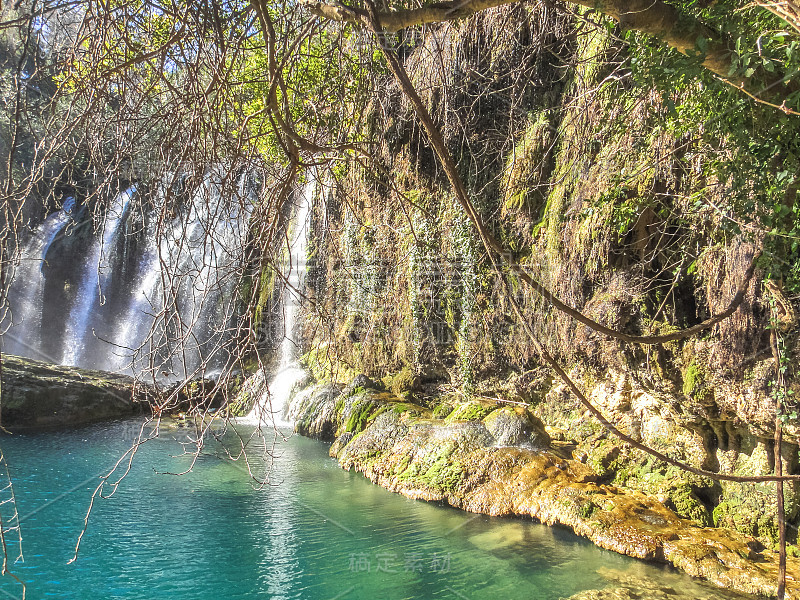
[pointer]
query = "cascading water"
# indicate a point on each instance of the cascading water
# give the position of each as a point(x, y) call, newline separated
point(269, 408)
point(153, 291)
point(94, 282)
point(183, 286)
point(26, 291)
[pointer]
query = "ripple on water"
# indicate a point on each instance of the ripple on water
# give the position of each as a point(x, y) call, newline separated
point(318, 532)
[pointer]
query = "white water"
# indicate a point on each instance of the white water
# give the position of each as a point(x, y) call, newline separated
point(94, 282)
point(27, 287)
point(186, 306)
point(153, 292)
point(269, 408)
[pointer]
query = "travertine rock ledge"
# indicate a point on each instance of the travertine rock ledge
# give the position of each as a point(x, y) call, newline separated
point(501, 464)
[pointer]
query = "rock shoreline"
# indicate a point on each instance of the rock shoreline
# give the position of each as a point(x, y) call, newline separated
point(500, 462)
point(37, 395)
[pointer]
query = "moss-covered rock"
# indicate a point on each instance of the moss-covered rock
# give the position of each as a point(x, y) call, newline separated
point(314, 412)
point(472, 410)
point(459, 462)
point(516, 426)
point(685, 502)
point(442, 410)
point(38, 395)
point(689, 430)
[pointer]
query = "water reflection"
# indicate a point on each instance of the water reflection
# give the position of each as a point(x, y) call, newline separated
point(314, 532)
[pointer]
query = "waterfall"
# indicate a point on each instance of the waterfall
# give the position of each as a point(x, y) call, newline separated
point(94, 282)
point(154, 290)
point(26, 291)
point(269, 408)
point(179, 303)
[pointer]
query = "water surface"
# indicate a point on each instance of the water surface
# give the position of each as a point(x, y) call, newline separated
point(315, 532)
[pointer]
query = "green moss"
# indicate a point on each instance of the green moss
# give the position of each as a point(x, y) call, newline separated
point(603, 459)
point(324, 367)
point(359, 415)
point(588, 509)
point(688, 505)
point(694, 383)
point(339, 406)
point(445, 474)
point(745, 517)
point(692, 379)
point(523, 174)
point(241, 405)
point(470, 411)
point(767, 527)
point(440, 472)
point(266, 290)
point(720, 514)
point(401, 382)
point(442, 410)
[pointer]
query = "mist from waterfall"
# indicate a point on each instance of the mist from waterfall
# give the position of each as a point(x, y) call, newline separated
point(269, 407)
point(95, 278)
point(183, 289)
point(151, 293)
point(26, 291)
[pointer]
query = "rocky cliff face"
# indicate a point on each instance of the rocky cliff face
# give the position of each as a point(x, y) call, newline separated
point(570, 163)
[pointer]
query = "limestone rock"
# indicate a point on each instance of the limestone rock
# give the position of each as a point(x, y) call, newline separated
point(402, 448)
point(314, 412)
point(37, 395)
point(516, 427)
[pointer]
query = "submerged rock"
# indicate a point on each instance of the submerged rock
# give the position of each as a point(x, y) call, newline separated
point(491, 465)
point(629, 586)
point(37, 395)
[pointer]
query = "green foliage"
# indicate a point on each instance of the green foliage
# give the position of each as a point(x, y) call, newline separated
point(694, 382)
point(750, 150)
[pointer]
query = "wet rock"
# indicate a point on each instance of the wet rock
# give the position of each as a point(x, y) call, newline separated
point(37, 395)
point(402, 448)
point(314, 413)
point(248, 394)
point(360, 383)
point(516, 427)
point(378, 438)
point(200, 394)
point(339, 443)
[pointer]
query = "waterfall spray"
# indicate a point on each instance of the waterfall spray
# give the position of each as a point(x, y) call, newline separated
point(27, 288)
point(94, 280)
point(269, 408)
point(153, 293)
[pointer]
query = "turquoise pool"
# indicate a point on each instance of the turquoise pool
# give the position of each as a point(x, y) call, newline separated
point(314, 532)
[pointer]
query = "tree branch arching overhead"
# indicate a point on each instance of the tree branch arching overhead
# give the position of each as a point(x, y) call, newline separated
point(678, 29)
